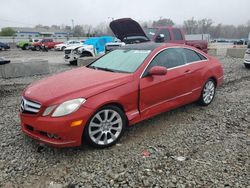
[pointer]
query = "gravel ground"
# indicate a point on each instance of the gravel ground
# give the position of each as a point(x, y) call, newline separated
point(191, 146)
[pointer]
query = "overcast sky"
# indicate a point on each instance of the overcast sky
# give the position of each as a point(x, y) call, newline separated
point(48, 12)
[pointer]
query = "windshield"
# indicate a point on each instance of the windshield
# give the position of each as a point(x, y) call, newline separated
point(121, 60)
point(150, 32)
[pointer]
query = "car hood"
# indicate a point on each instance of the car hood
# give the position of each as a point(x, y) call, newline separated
point(81, 82)
point(72, 47)
point(126, 27)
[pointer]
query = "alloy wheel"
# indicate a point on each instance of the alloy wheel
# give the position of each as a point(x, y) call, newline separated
point(208, 92)
point(105, 127)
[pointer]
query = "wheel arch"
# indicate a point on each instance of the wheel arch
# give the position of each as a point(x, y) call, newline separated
point(214, 79)
point(116, 104)
point(88, 53)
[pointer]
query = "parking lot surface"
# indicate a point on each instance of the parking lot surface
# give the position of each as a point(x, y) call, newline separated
point(191, 146)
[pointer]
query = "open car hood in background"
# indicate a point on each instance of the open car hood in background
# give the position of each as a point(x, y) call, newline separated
point(127, 27)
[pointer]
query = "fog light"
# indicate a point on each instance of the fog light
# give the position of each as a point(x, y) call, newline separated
point(76, 123)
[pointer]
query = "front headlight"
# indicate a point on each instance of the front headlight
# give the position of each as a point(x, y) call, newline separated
point(65, 108)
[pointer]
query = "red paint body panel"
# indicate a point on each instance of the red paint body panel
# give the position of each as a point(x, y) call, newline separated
point(140, 98)
point(49, 43)
point(199, 44)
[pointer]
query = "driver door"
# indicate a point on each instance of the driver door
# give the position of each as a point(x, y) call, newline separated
point(159, 93)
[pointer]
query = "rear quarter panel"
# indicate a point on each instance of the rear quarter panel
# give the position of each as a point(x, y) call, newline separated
point(214, 70)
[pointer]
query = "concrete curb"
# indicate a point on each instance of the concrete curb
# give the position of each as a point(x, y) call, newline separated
point(24, 68)
point(236, 52)
point(212, 51)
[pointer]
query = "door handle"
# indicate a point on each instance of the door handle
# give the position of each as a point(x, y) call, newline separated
point(187, 71)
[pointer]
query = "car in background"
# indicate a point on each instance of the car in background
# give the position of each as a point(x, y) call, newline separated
point(4, 46)
point(129, 32)
point(247, 57)
point(44, 43)
point(241, 42)
point(94, 104)
point(4, 61)
point(90, 48)
point(62, 46)
point(113, 45)
point(25, 45)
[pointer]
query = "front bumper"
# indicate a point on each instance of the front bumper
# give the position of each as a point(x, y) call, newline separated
point(57, 48)
point(71, 57)
point(39, 128)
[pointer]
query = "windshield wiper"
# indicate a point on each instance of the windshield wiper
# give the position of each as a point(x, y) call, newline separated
point(105, 69)
point(101, 68)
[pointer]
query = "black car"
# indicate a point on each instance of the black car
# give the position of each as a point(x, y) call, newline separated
point(241, 42)
point(4, 46)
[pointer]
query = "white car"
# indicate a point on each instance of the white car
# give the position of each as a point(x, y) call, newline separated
point(247, 59)
point(113, 45)
point(72, 53)
point(61, 47)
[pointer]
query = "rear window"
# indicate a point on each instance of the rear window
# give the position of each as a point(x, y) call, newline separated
point(166, 34)
point(177, 34)
point(192, 56)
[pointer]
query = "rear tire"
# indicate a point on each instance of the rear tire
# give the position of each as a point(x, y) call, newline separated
point(73, 62)
point(62, 49)
point(247, 65)
point(208, 93)
point(105, 127)
point(38, 48)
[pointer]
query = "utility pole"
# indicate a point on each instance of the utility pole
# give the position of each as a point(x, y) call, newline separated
point(72, 27)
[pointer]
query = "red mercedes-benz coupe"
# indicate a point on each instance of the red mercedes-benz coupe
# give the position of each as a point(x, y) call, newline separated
point(94, 104)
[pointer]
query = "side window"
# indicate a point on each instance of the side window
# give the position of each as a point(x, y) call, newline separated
point(192, 56)
point(168, 58)
point(166, 34)
point(177, 34)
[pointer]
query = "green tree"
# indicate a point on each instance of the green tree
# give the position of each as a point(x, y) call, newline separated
point(163, 22)
point(7, 31)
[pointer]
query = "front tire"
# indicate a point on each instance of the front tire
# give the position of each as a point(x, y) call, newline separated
point(105, 127)
point(73, 62)
point(208, 93)
point(247, 65)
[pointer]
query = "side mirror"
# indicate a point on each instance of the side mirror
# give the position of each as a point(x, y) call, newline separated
point(157, 70)
point(160, 38)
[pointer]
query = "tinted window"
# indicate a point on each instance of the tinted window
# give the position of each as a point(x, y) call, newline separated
point(177, 34)
point(166, 34)
point(150, 32)
point(191, 55)
point(169, 58)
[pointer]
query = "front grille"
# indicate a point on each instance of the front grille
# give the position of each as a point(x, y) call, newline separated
point(29, 107)
point(67, 51)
